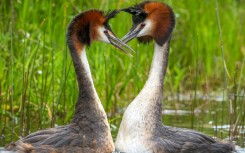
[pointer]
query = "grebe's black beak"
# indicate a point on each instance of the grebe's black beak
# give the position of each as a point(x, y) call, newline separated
point(118, 43)
point(134, 31)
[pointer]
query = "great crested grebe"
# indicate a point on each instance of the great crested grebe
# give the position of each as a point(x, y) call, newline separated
point(141, 129)
point(89, 130)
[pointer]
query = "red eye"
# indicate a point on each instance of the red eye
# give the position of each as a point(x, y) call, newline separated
point(106, 32)
point(142, 25)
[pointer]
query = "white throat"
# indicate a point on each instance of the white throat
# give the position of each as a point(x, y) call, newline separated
point(85, 63)
point(155, 77)
point(144, 113)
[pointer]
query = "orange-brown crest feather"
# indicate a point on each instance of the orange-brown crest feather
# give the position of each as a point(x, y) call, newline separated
point(145, 39)
point(82, 29)
point(163, 20)
point(160, 15)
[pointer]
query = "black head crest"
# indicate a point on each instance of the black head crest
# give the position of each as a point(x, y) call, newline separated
point(111, 14)
point(135, 10)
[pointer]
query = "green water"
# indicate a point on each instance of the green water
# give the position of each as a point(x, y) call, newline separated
point(204, 116)
point(208, 117)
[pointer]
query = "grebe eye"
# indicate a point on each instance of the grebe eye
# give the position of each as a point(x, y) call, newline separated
point(142, 25)
point(106, 32)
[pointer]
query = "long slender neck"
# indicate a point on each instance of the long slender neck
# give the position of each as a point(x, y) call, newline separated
point(143, 117)
point(150, 97)
point(88, 107)
point(158, 68)
point(83, 73)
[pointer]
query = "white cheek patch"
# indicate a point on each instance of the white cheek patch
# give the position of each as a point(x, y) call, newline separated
point(147, 29)
point(101, 35)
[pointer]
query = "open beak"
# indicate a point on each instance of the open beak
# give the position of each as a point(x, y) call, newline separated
point(134, 31)
point(118, 43)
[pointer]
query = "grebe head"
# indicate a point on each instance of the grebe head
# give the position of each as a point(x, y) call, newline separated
point(151, 21)
point(93, 25)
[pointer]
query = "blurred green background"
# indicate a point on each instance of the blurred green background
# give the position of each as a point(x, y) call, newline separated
point(205, 76)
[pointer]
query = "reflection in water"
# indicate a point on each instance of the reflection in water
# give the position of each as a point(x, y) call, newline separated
point(226, 128)
point(209, 115)
point(176, 112)
point(240, 150)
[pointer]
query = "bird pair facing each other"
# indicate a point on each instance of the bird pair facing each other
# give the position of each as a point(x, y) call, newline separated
point(141, 129)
